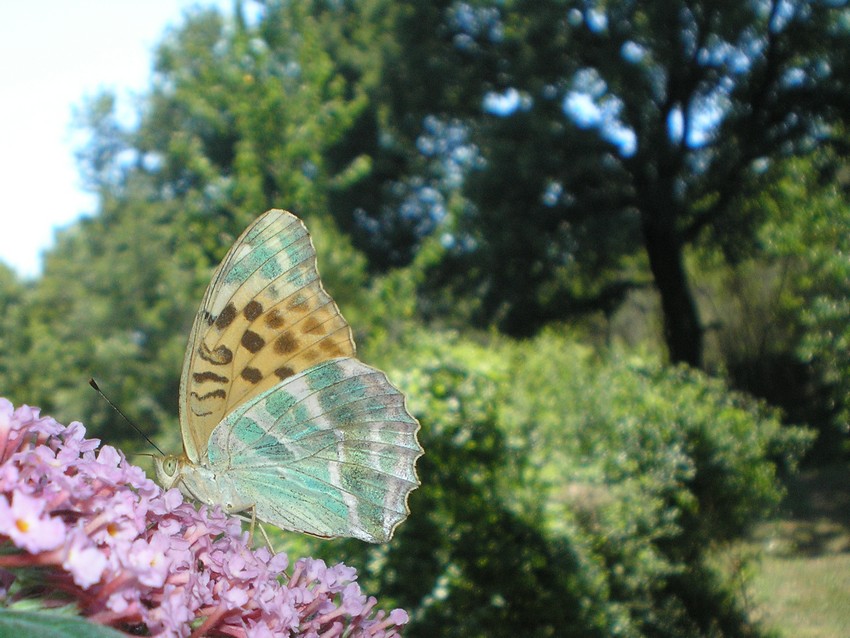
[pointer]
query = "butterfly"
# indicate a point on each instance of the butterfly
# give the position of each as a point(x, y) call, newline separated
point(277, 415)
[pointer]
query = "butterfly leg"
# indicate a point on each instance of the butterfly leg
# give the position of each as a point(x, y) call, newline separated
point(255, 522)
point(252, 520)
point(266, 538)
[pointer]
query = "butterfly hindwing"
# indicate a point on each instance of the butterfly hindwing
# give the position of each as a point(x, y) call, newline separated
point(265, 317)
point(330, 452)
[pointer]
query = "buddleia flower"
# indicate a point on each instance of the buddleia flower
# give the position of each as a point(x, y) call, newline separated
point(81, 527)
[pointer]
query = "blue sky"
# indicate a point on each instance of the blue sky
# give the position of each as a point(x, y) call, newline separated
point(52, 54)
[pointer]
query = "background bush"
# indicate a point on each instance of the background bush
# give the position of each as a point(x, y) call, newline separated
point(570, 491)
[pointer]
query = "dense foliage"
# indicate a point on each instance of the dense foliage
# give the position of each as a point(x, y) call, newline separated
point(572, 484)
point(610, 132)
point(806, 240)
point(572, 492)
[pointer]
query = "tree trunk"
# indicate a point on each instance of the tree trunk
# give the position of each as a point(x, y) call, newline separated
point(682, 330)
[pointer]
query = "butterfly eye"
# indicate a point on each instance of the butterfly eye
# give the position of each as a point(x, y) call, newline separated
point(169, 465)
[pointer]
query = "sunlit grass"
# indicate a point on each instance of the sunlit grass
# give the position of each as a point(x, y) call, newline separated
point(803, 596)
point(799, 584)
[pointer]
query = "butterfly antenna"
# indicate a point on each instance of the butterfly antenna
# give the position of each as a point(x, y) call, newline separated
point(97, 389)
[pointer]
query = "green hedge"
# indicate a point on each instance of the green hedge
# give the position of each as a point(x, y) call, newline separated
point(568, 492)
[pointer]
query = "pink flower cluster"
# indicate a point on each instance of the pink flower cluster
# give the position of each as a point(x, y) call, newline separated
point(102, 535)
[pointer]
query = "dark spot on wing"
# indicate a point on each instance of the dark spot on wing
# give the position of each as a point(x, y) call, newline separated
point(274, 319)
point(252, 341)
point(284, 372)
point(299, 303)
point(218, 357)
point(313, 326)
point(200, 377)
point(226, 317)
point(253, 310)
point(252, 375)
point(331, 348)
point(285, 344)
point(215, 394)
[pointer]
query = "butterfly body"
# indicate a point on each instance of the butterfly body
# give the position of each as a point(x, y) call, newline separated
point(277, 415)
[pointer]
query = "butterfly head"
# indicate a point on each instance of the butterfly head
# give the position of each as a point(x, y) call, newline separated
point(199, 483)
point(169, 469)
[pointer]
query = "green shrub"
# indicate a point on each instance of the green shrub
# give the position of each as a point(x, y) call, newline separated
point(808, 235)
point(657, 465)
point(567, 492)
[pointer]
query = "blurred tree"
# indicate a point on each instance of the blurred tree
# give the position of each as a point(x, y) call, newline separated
point(239, 120)
point(602, 138)
point(806, 233)
point(13, 296)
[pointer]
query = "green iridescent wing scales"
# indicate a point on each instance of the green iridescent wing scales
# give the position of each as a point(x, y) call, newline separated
point(329, 452)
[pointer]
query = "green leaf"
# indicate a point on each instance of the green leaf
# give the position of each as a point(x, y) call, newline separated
point(30, 624)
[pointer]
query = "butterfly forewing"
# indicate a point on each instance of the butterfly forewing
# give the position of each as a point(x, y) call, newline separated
point(330, 452)
point(265, 317)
